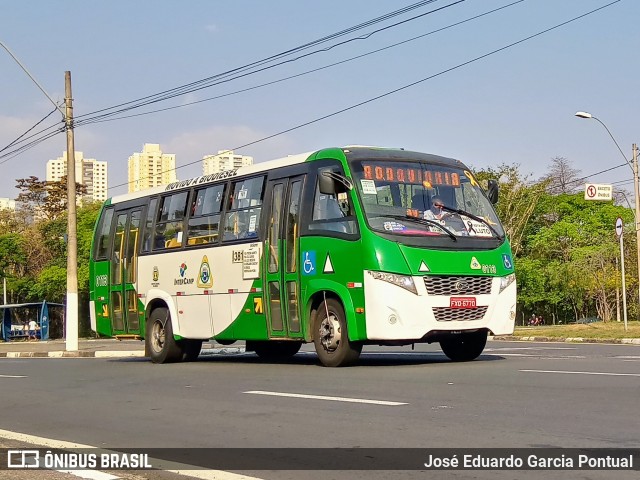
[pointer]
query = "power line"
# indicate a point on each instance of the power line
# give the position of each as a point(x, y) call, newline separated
point(104, 117)
point(9, 155)
point(188, 88)
point(100, 120)
point(396, 90)
point(31, 128)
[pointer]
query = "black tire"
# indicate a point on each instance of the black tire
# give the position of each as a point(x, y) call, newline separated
point(190, 349)
point(331, 338)
point(276, 350)
point(464, 347)
point(159, 341)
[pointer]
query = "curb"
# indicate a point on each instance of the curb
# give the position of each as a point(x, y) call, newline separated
point(110, 354)
point(621, 341)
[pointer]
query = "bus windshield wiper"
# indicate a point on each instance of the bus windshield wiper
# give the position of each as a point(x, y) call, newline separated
point(422, 221)
point(459, 211)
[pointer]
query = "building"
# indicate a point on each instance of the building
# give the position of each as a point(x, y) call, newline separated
point(151, 168)
point(89, 172)
point(224, 160)
point(6, 203)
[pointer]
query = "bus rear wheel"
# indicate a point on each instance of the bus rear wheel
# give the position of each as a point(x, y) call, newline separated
point(160, 343)
point(464, 347)
point(275, 350)
point(331, 338)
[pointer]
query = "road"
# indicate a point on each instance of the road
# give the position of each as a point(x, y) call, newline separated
point(517, 394)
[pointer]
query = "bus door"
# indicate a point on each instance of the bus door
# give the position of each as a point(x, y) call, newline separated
point(282, 283)
point(124, 272)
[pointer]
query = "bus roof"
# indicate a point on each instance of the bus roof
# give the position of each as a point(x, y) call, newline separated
point(247, 170)
point(352, 152)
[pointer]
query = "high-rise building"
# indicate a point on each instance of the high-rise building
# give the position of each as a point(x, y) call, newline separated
point(151, 168)
point(89, 172)
point(224, 160)
point(6, 203)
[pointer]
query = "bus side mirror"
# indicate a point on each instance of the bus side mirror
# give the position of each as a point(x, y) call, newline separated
point(331, 181)
point(326, 182)
point(492, 191)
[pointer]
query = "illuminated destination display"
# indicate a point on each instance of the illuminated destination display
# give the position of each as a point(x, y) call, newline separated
point(415, 176)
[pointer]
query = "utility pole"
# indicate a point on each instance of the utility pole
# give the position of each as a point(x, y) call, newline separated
point(637, 202)
point(71, 330)
point(71, 334)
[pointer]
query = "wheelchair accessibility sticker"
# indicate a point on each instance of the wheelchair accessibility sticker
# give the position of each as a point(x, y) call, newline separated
point(309, 263)
point(506, 260)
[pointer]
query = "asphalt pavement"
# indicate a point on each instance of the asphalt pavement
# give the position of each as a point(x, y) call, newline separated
point(111, 347)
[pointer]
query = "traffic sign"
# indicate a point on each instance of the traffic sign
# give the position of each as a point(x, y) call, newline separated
point(618, 226)
point(598, 191)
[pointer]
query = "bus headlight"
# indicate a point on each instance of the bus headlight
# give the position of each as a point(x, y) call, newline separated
point(404, 281)
point(506, 281)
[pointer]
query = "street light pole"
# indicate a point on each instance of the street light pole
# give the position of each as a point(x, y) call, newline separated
point(636, 183)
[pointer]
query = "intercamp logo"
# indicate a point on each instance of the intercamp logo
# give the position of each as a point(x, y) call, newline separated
point(23, 459)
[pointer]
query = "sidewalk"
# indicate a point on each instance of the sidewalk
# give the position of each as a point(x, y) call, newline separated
point(533, 338)
point(102, 348)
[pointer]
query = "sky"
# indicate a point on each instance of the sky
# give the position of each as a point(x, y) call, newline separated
point(515, 106)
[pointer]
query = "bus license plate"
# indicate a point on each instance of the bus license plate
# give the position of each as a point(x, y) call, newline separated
point(462, 302)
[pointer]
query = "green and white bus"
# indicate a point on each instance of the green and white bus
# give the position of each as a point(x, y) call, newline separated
point(342, 247)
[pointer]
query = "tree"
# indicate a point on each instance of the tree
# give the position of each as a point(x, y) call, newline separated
point(42, 199)
point(562, 177)
point(517, 201)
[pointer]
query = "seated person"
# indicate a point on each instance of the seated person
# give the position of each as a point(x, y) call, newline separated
point(436, 212)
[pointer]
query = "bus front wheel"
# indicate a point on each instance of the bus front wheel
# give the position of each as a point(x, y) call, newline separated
point(464, 347)
point(161, 345)
point(331, 338)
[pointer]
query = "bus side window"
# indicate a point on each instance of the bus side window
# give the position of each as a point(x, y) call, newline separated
point(148, 232)
point(333, 212)
point(243, 217)
point(204, 222)
point(104, 235)
point(170, 225)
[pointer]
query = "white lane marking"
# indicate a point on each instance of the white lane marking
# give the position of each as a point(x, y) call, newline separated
point(585, 373)
point(528, 348)
point(91, 474)
point(13, 376)
point(322, 397)
point(540, 355)
point(180, 469)
point(628, 357)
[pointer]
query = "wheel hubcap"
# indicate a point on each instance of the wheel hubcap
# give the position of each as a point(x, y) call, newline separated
point(330, 334)
point(157, 336)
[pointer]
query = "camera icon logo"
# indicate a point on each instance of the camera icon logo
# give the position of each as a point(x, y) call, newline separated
point(23, 459)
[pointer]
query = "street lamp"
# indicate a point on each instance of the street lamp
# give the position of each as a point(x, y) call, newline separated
point(634, 167)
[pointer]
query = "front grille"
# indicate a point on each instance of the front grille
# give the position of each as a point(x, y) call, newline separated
point(457, 285)
point(446, 314)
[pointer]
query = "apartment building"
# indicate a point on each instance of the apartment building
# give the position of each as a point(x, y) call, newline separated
point(6, 203)
point(224, 160)
point(89, 172)
point(151, 168)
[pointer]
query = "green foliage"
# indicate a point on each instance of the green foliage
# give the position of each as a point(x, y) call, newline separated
point(565, 246)
point(34, 260)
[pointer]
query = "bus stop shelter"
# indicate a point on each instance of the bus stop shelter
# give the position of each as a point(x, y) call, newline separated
point(12, 330)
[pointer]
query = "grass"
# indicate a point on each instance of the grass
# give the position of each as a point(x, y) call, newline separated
point(609, 330)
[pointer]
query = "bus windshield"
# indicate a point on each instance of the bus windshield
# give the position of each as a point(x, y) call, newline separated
point(412, 198)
